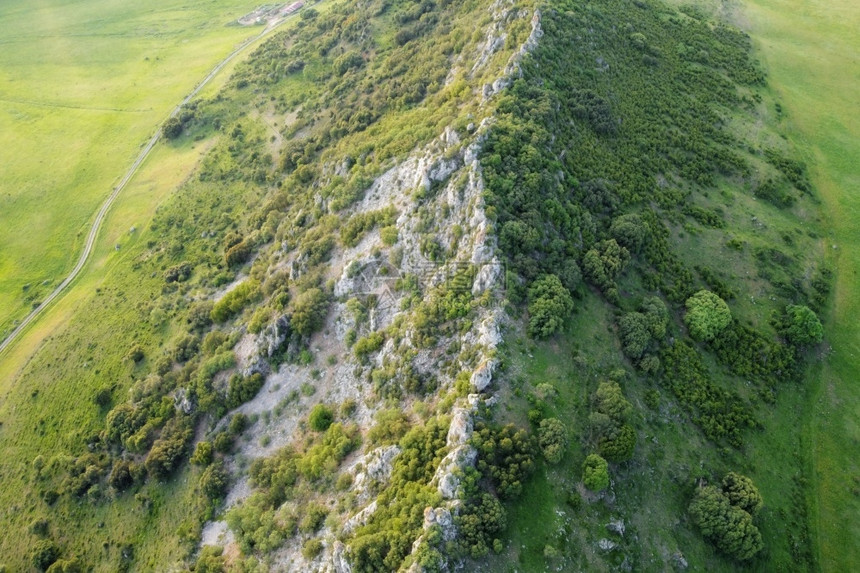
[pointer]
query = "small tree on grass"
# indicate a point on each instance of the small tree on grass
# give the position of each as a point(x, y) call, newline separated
point(44, 553)
point(172, 127)
point(595, 473)
point(552, 436)
point(549, 306)
point(214, 481)
point(618, 444)
point(707, 315)
point(801, 325)
point(742, 493)
point(728, 526)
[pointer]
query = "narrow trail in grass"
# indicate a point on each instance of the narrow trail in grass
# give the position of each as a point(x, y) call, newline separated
point(66, 106)
point(102, 212)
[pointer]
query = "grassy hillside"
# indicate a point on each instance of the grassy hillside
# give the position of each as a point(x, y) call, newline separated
point(810, 49)
point(83, 85)
point(650, 153)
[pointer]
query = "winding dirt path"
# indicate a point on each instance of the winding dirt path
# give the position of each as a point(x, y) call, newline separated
point(102, 212)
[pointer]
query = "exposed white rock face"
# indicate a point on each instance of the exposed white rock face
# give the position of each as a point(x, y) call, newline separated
point(606, 545)
point(616, 526)
point(444, 519)
point(181, 401)
point(359, 518)
point(482, 377)
point(338, 558)
point(512, 68)
point(441, 183)
point(377, 467)
point(461, 427)
point(447, 475)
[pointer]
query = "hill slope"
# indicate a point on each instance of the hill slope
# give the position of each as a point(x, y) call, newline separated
point(454, 278)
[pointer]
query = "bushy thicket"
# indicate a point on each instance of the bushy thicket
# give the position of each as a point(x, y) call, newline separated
point(725, 516)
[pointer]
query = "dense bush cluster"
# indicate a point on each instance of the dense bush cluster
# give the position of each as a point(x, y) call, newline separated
point(609, 421)
point(725, 516)
point(598, 169)
point(549, 306)
point(262, 523)
point(386, 540)
point(720, 413)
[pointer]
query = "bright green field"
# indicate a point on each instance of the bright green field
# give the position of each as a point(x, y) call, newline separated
point(812, 50)
point(82, 86)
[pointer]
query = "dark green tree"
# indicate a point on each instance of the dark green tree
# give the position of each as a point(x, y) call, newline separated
point(549, 306)
point(629, 231)
point(635, 334)
point(742, 493)
point(801, 325)
point(618, 444)
point(214, 481)
point(43, 554)
point(309, 311)
point(320, 418)
point(729, 527)
point(604, 263)
point(552, 437)
point(172, 127)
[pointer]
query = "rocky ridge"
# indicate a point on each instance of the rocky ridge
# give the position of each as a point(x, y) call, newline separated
point(437, 194)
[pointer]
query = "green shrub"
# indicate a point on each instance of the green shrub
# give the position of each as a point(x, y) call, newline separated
point(368, 344)
point(242, 389)
point(211, 560)
point(742, 493)
point(238, 424)
point(313, 517)
point(595, 473)
point(707, 315)
point(729, 527)
point(800, 325)
point(214, 481)
point(610, 400)
point(235, 300)
point(122, 475)
point(635, 335)
point(167, 452)
point(549, 306)
point(43, 554)
point(552, 437)
point(203, 454)
point(309, 311)
point(505, 457)
point(388, 235)
point(40, 527)
point(617, 445)
point(391, 425)
point(320, 418)
point(72, 565)
point(312, 548)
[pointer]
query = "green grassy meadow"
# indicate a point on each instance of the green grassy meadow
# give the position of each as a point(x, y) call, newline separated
point(812, 51)
point(82, 87)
